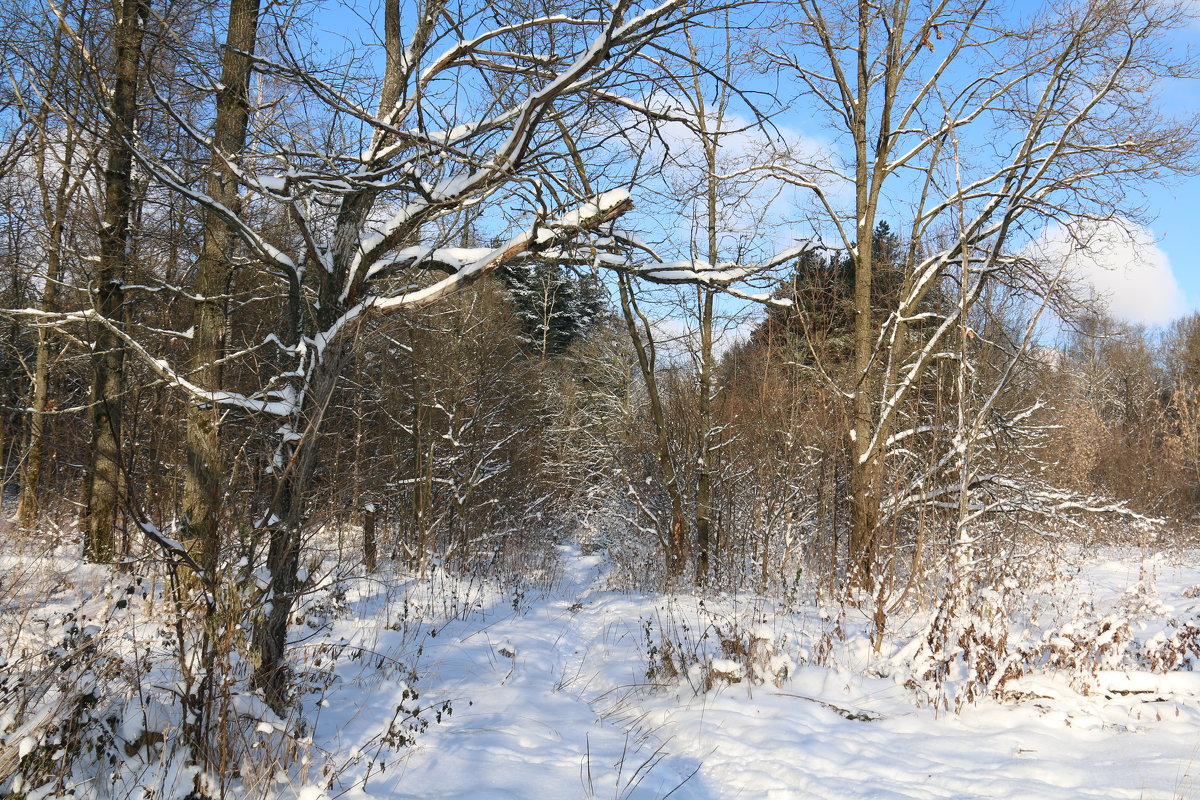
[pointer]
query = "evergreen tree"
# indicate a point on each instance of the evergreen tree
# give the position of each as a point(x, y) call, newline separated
point(821, 290)
point(555, 306)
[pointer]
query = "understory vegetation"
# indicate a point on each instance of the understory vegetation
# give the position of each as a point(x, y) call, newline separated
point(364, 370)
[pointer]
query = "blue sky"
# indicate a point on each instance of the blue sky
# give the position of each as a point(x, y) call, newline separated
point(1175, 207)
point(1173, 226)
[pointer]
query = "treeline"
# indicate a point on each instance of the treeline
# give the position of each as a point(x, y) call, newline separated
point(517, 413)
point(231, 288)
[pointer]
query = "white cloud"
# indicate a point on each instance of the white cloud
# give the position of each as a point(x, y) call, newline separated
point(1118, 264)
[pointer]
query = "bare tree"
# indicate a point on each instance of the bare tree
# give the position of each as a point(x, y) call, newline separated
point(106, 475)
point(1053, 116)
point(203, 484)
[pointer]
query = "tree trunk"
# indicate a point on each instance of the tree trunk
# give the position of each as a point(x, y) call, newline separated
point(370, 544)
point(203, 478)
point(106, 481)
point(865, 484)
point(31, 477)
point(710, 140)
point(676, 544)
point(704, 465)
point(865, 465)
point(704, 456)
point(287, 519)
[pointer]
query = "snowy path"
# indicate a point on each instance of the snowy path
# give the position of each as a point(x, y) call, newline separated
point(549, 703)
point(529, 728)
point(522, 725)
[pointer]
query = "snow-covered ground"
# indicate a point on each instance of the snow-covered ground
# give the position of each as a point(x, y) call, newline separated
point(558, 696)
point(551, 685)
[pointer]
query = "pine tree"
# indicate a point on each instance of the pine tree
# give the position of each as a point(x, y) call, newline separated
point(821, 289)
point(554, 305)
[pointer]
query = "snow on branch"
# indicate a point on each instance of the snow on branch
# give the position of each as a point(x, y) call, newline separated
point(281, 404)
point(698, 272)
point(591, 215)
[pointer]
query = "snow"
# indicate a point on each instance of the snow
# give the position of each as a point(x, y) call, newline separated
point(604, 203)
point(580, 217)
point(553, 700)
point(273, 183)
point(449, 686)
point(697, 271)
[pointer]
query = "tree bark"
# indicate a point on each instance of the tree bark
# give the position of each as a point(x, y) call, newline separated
point(704, 455)
point(704, 465)
point(106, 480)
point(370, 543)
point(287, 519)
point(203, 478)
point(866, 464)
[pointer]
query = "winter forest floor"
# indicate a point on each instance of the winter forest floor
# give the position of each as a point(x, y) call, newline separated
point(553, 700)
point(555, 686)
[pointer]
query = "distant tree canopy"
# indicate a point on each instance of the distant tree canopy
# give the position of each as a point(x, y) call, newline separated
point(1182, 344)
point(555, 305)
point(821, 289)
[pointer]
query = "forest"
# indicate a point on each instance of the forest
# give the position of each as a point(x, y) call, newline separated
point(381, 381)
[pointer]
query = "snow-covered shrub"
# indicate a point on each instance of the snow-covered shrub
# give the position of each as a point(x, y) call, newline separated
point(115, 685)
point(1017, 620)
point(1138, 634)
point(964, 653)
point(714, 649)
point(85, 707)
